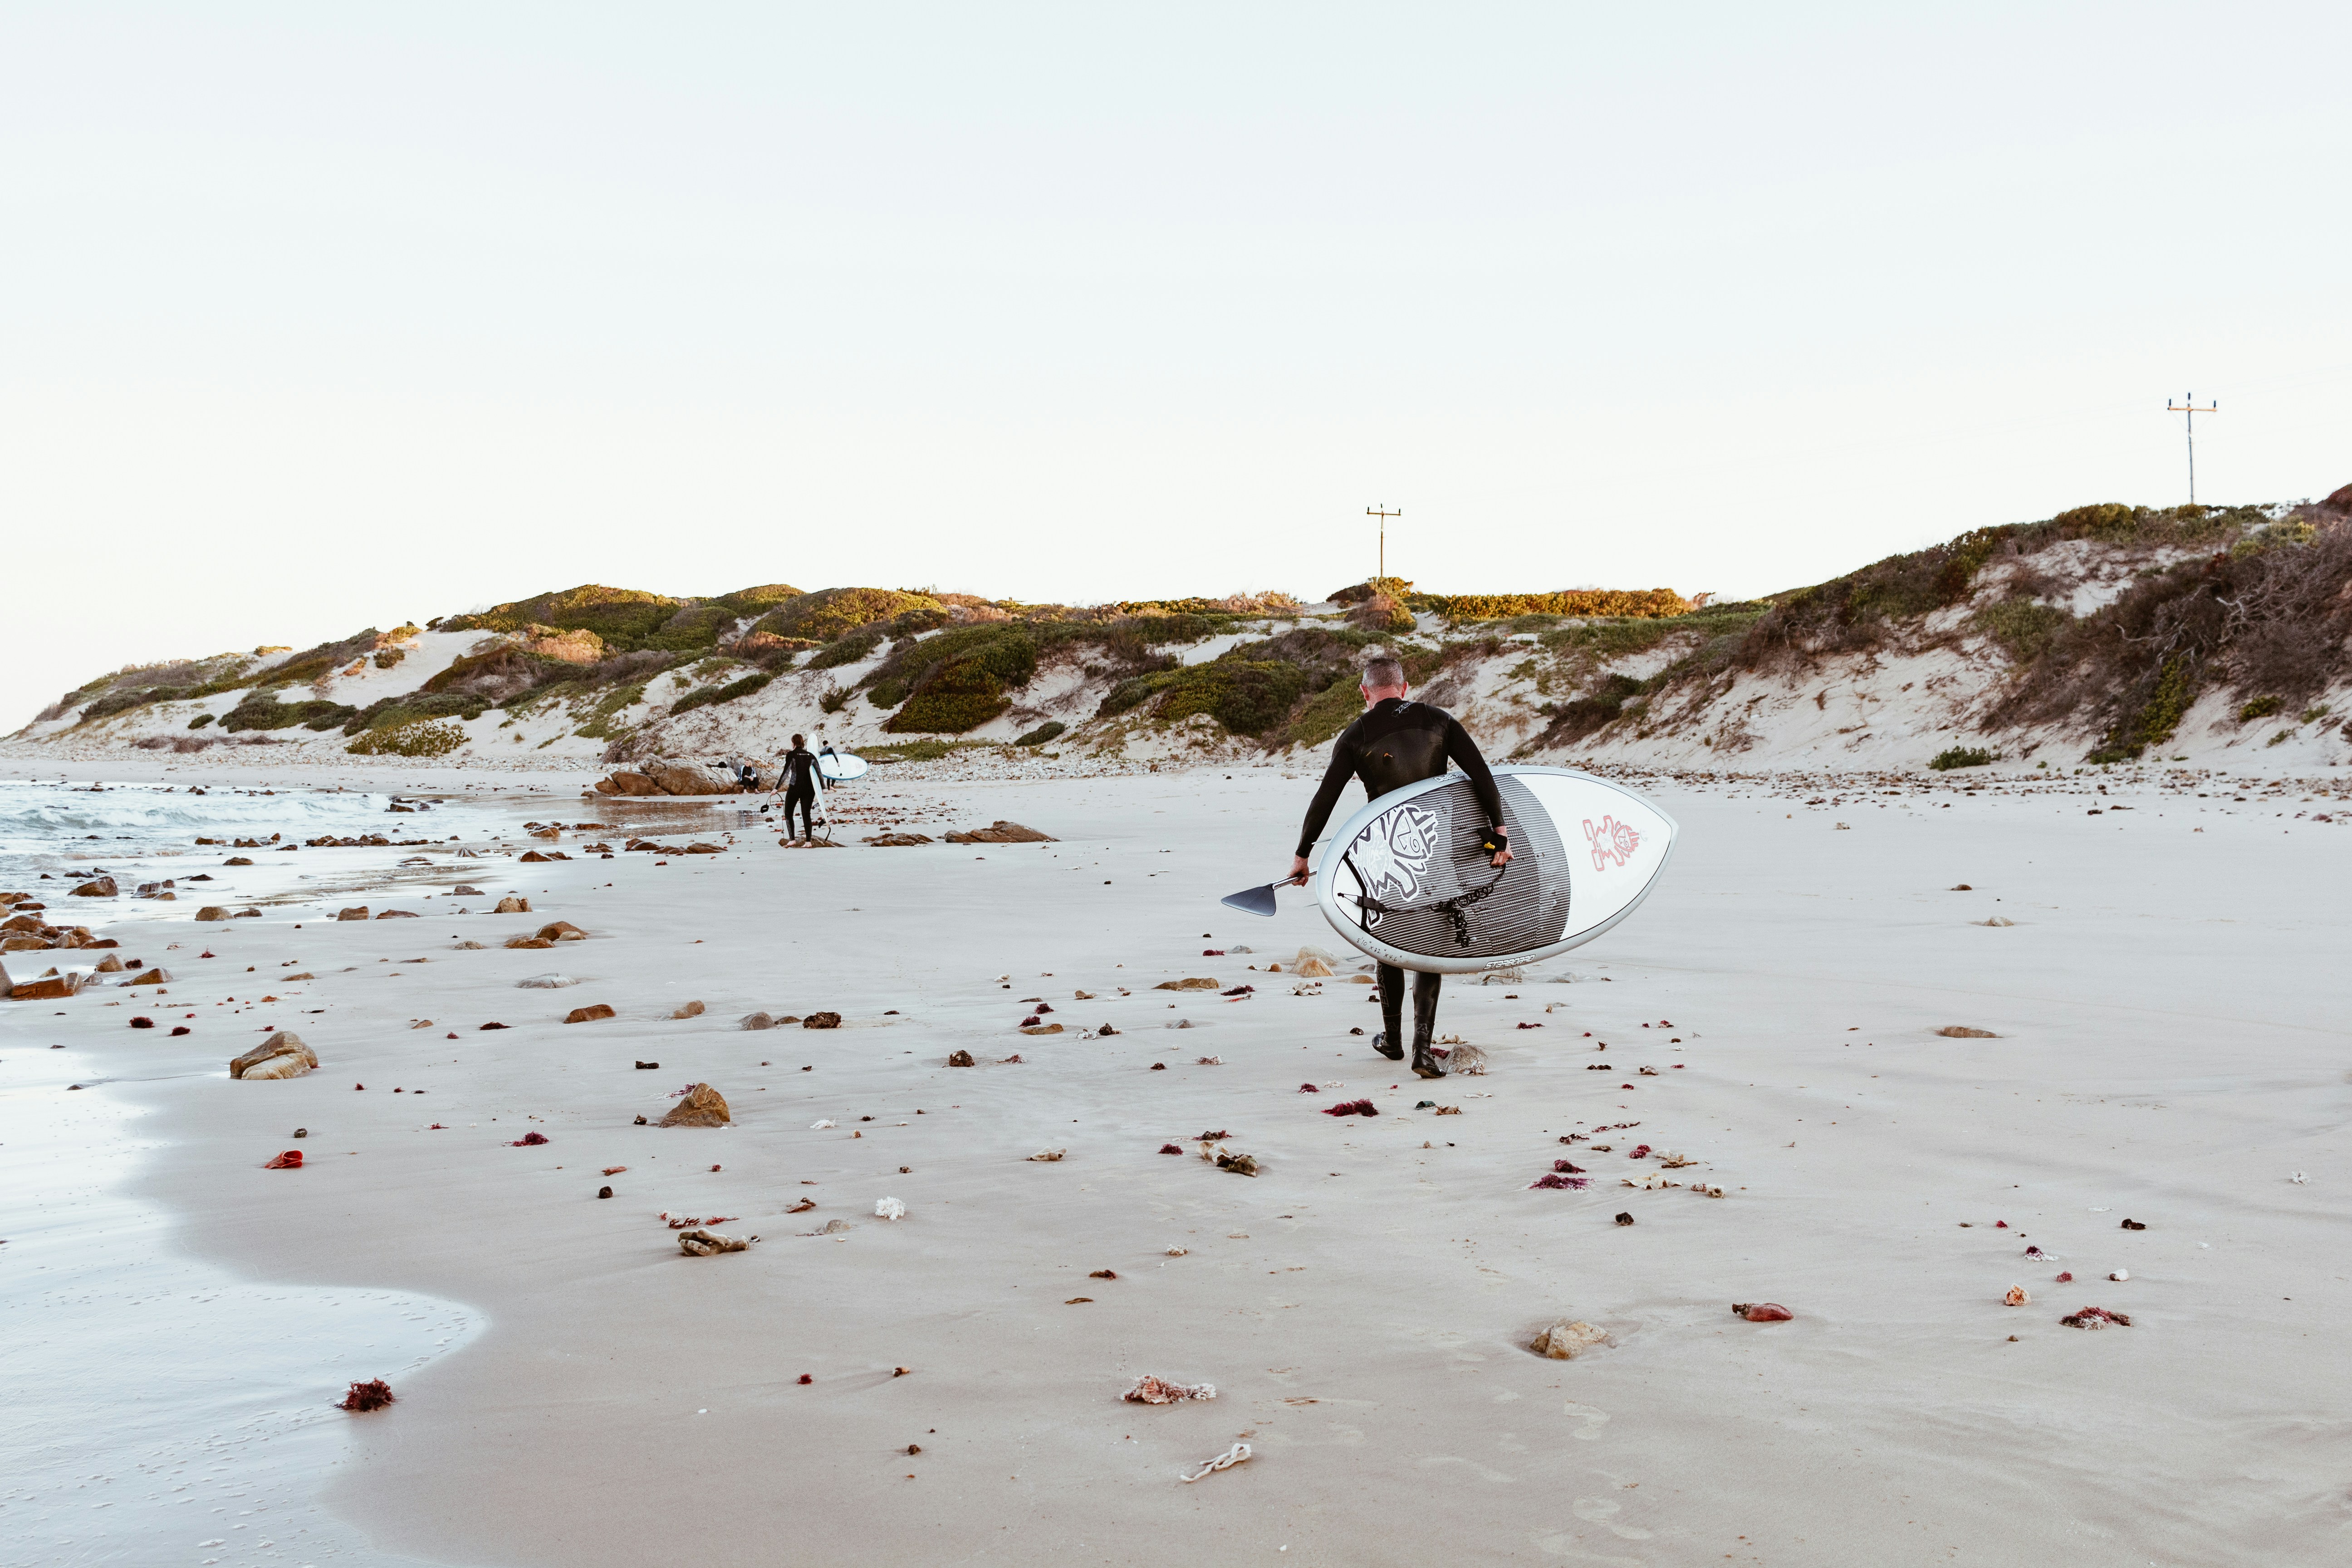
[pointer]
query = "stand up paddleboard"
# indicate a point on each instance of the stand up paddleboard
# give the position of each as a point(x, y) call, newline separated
point(1405, 881)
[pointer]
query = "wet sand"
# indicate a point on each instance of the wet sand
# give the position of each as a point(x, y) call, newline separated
point(2169, 1048)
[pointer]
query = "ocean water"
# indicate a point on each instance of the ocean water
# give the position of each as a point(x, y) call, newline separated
point(157, 1408)
point(48, 826)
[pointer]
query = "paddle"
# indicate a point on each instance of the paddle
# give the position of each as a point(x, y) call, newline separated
point(1252, 900)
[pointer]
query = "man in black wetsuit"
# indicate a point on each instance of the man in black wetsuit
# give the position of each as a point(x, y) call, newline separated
point(796, 775)
point(1397, 742)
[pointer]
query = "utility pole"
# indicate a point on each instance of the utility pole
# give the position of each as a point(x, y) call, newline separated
point(2189, 406)
point(1383, 513)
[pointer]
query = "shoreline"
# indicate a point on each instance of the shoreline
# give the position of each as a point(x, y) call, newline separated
point(2165, 1047)
point(166, 1402)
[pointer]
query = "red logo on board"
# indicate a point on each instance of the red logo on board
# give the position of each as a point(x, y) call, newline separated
point(1612, 842)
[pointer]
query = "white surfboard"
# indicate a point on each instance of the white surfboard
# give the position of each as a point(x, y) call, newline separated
point(840, 767)
point(1404, 879)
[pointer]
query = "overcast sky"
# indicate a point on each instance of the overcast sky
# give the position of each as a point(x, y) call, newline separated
point(314, 317)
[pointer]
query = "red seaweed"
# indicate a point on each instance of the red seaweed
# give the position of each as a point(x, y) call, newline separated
point(373, 1394)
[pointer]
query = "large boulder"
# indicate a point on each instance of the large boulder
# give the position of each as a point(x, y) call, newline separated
point(685, 778)
point(1002, 832)
point(282, 1054)
point(103, 888)
point(48, 988)
point(629, 782)
point(702, 1107)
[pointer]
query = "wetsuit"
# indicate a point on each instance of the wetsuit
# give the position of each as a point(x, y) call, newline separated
point(1397, 742)
point(800, 790)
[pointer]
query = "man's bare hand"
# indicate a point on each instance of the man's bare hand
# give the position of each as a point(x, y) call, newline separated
point(1298, 872)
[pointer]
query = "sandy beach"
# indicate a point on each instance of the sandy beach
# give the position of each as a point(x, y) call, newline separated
point(2165, 1047)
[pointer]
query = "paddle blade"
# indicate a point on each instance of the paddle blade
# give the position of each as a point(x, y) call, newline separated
point(1252, 900)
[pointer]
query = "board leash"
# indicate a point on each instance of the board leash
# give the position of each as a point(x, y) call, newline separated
point(1450, 907)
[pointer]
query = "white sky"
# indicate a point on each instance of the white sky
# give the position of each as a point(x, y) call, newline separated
point(318, 317)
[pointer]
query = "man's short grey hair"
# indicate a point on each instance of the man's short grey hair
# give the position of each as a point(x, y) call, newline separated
point(1382, 671)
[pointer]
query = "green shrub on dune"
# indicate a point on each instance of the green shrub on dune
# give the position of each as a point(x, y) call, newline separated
point(726, 693)
point(1327, 713)
point(627, 620)
point(966, 677)
point(758, 601)
point(2023, 628)
point(695, 626)
point(262, 711)
point(848, 649)
point(832, 613)
point(394, 711)
point(416, 738)
point(1247, 696)
point(625, 617)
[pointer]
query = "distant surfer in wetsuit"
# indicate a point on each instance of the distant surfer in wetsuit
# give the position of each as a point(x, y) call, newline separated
point(796, 775)
point(1395, 742)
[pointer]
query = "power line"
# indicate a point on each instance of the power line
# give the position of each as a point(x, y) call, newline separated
point(1382, 512)
point(2189, 406)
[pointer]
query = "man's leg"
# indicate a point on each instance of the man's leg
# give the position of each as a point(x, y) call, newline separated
point(1389, 1041)
point(1424, 1024)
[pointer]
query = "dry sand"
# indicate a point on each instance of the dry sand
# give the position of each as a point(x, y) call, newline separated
point(2169, 1046)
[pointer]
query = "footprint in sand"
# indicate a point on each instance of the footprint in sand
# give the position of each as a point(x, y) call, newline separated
point(1601, 1511)
point(1594, 1421)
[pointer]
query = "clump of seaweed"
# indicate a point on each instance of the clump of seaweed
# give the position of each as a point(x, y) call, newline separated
point(373, 1394)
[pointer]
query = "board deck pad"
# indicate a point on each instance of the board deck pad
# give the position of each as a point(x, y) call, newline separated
point(1584, 852)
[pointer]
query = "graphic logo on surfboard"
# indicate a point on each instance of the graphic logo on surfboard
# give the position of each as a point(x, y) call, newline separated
point(1391, 855)
point(1612, 842)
